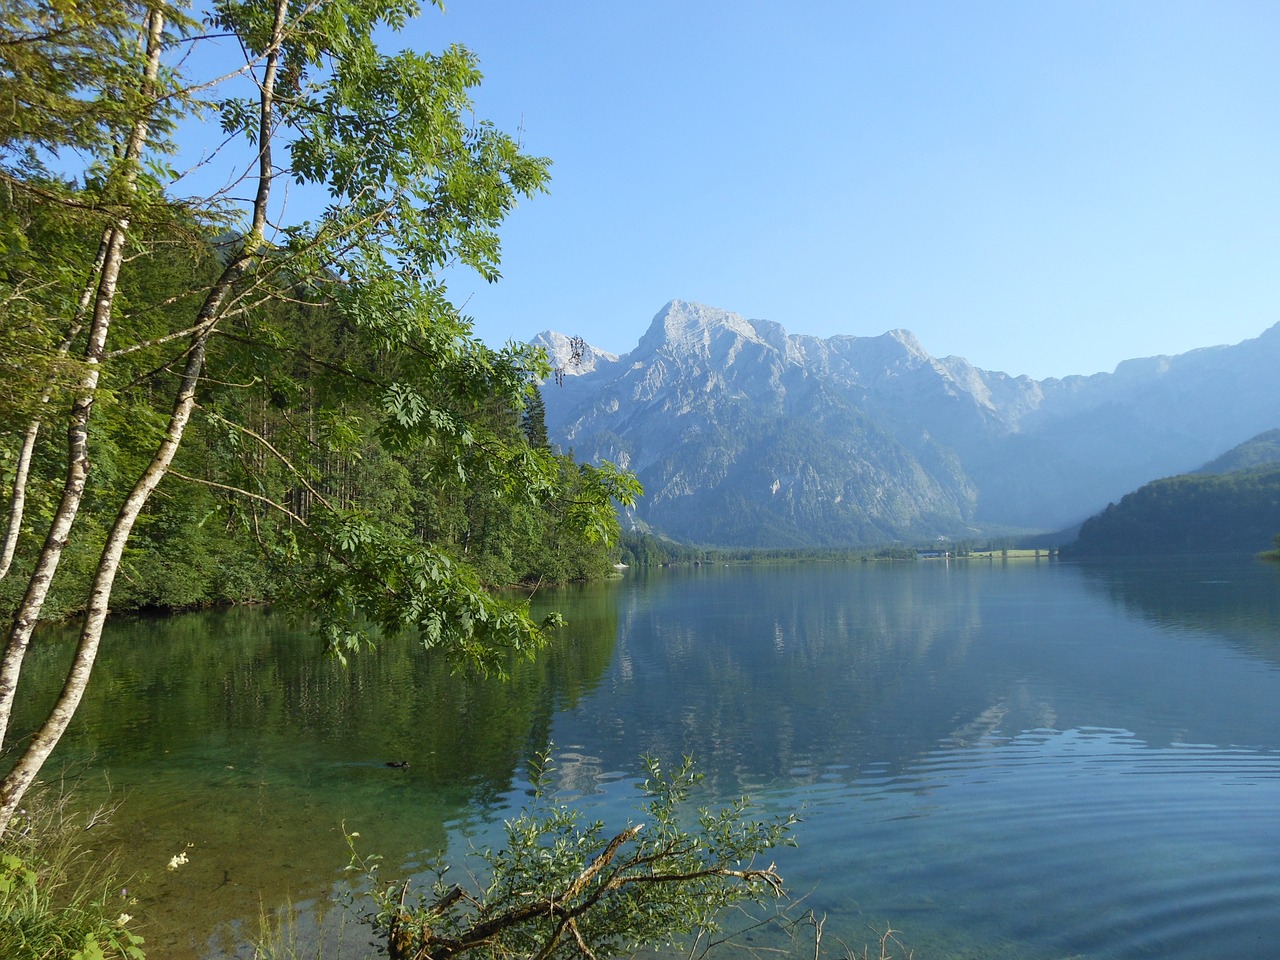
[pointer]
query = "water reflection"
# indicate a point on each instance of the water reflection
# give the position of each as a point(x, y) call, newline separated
point(1237, 599)
point(1022, 759)
point(1016, 759)
point(777, 670)
point(230, 732)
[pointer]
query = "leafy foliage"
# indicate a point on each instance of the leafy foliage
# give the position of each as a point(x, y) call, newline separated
point(68, 79)
point(564, 887)
point(56, 901)
point(341, 380)
point(198, 546)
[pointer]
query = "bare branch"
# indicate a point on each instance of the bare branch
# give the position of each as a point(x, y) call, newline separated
point(240, 491)
point(281, 457)
point(580, 941)
point(189, 332)
point(601, 861)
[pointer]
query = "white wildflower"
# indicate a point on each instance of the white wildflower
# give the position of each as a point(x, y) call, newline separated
point(177, 860)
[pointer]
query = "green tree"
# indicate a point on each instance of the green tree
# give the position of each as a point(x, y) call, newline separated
point(409, 184)
point(534, 420)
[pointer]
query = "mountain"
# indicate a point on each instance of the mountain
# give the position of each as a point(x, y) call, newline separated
point(571, 355)
point(1231, 503)
point(744, 434)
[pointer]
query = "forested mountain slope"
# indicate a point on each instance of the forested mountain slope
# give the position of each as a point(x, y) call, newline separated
point(1261, 450)
point(1192, 513)
point(1232, 503)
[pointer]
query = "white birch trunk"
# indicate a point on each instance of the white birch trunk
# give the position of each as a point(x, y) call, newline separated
point(24, 772)
point(28, 613)
point(18, 499)
point(22, 776)
point(18, 502)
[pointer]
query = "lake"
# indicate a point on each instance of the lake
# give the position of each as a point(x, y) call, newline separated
point(1023, 759)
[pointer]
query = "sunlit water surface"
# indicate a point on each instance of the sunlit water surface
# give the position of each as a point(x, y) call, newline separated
point(1031, 759)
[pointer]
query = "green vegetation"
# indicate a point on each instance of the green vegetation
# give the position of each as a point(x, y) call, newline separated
point(254, 406)
point(646, 550)
point(1187, 514)
point(562, 887)
point(206, 400)
point(559, 887)
point(58, 897)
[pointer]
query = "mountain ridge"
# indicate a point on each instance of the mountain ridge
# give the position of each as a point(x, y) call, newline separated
point(741, 431)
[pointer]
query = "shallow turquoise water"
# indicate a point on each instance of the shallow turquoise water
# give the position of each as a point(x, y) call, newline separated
point(1024, 759)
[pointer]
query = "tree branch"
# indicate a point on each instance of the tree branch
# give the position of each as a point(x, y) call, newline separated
point(240, 491)
point(281, 457)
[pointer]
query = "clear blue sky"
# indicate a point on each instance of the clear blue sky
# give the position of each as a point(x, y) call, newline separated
point(1044, 187)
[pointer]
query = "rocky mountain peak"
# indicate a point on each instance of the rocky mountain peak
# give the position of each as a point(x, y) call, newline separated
point(744, 434)
point(691, 328)
point(907, 340)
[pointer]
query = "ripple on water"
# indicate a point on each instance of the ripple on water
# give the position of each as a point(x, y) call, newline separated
point(1083, 841)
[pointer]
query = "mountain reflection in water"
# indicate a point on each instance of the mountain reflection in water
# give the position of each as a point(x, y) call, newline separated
point(1024, 759)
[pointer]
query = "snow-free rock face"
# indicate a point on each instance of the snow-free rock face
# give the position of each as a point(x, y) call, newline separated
point(743, 434)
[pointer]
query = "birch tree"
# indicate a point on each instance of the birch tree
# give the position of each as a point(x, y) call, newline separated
point(407, 185)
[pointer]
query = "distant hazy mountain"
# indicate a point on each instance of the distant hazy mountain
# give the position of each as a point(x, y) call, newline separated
point(1232, 503)
point(744, 434)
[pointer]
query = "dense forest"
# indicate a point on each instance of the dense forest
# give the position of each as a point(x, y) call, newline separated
point(281, 383)
point(1192, 513)
point(641, 549)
